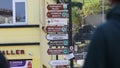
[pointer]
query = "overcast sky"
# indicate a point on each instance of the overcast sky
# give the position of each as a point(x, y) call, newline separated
point(6, 4)
point(20, 7)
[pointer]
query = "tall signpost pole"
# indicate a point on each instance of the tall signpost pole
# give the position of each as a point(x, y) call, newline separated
point(70, 30)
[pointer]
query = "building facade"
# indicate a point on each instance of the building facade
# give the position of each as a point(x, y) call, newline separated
point(22, 34)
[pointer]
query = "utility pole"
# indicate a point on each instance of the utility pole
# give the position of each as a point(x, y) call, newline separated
point(69, 29)
point(103, 17)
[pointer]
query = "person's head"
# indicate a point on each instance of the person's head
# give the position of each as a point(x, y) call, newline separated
point(114, 2)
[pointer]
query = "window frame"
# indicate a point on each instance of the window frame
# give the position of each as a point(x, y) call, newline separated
point(14, 12)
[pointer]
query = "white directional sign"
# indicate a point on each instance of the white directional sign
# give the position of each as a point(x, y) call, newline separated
point(57, 36)
point(69, 56)
point(58, 62)
point(57, 21)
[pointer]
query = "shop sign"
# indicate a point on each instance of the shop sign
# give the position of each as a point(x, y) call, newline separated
point(57, 7)
point(12, 52)
point(58, 62)
point(58, 43)
point(58, 14)
point(57, 51)
point(57, 36)
point(57, 21)
point(20, 63)
point(56, 29)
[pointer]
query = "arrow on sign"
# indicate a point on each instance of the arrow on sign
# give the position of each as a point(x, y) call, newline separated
point(63, 14)
point(56, 29)
point(57, 7)
point(58, 62)
point(58, 42)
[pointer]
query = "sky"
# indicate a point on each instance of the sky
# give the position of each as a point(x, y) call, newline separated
point(20, 7)
point(6, 4)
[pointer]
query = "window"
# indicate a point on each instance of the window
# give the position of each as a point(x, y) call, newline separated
point(13, 12)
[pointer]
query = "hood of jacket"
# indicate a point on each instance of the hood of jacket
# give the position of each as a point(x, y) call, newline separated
point(114, 15)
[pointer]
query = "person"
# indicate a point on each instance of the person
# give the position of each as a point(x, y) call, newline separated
point(104, 48)
point(3, 61)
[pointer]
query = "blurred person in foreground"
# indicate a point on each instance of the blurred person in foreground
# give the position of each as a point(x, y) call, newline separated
point(104, 48)
point(3, 62)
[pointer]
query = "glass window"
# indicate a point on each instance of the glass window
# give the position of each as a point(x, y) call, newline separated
point(20, 15)
point(13, 12)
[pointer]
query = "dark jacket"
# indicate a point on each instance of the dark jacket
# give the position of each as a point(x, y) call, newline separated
point(104, 49)
point(3, 62)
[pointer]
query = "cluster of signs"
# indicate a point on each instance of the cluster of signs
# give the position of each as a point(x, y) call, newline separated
point(57, 32)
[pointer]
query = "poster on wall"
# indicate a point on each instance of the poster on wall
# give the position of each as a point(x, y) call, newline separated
point(20, 63)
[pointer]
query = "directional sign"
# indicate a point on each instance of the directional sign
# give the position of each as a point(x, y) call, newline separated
point(57, 51)
point(69, 56)
point(57, 7)
point(58, 43)
point(57, 36)
point(59, 14)
point(56, 29)
point(58, 62)
point(62, 66)
point(57, 21)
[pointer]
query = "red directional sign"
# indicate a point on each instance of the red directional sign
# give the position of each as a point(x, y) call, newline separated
point(59, 14)
point(62, 66)
point(56, 29)
point(57, 7)
point(57, 51)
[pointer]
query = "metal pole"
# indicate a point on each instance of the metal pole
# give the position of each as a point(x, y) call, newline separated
point(103, 17)
point(83, 2)
point(70, 31)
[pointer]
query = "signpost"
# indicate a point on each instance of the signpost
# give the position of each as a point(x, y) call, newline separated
point(57, 51)
point(58, 62)
point(70, 30)
point(58, 18)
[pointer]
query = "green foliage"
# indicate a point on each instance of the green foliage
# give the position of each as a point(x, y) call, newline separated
point(77, 4)
point(76, 16)
point(94, 7)
point(83, 8)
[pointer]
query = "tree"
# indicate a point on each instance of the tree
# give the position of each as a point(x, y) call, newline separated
point(77, 19)
point(84, 33)
point(90, 8)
